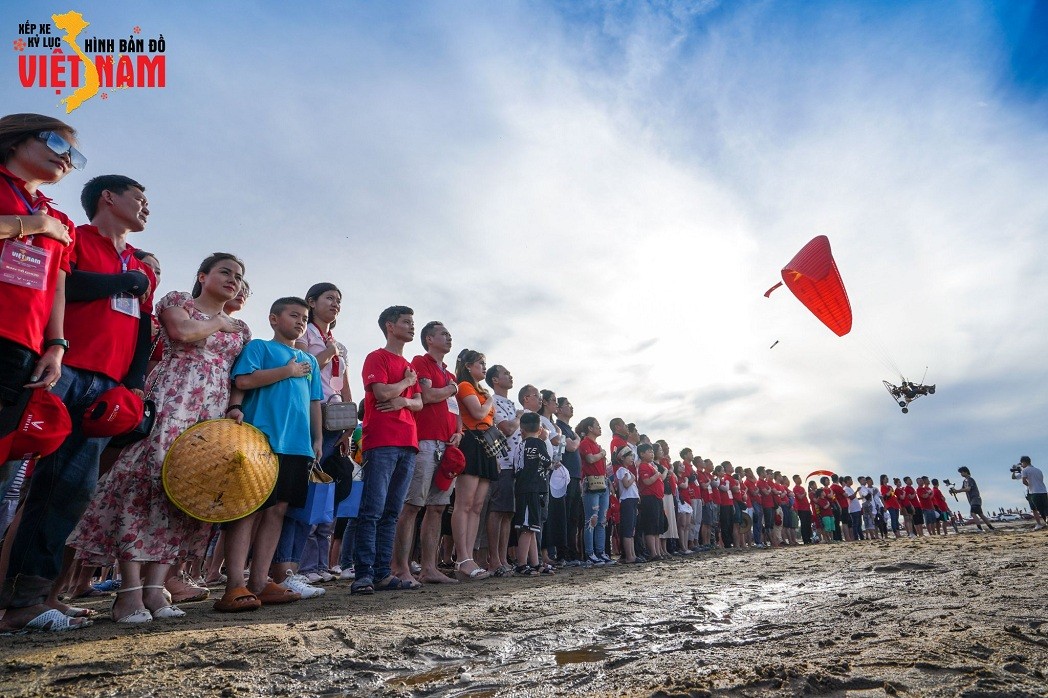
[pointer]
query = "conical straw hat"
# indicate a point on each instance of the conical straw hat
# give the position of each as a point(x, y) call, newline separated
point(219, 471)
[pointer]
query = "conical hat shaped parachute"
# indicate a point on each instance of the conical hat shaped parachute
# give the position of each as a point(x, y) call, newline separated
point(813, 277)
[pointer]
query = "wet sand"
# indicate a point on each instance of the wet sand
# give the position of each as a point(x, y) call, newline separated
point(961, 615)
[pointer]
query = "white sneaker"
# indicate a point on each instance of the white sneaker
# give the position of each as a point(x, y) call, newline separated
point(335, 572)
point(347, 574)
point(416, 568)
point(326, 576)
point(313, 577)
point(1038, 527)
point(298, 584)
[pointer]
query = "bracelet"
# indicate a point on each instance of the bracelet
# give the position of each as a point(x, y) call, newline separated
point(234, 407)
point(64, 343)
point(21, 227)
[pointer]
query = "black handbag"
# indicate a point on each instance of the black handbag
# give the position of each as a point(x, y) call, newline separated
point(340, 467)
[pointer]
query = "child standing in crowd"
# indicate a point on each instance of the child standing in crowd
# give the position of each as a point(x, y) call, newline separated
point(532, 465)
point(280, 389)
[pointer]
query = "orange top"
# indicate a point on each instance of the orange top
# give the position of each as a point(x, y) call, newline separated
point(465, 389)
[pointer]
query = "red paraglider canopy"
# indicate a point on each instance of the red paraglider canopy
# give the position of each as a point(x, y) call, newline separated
point(827, 473)
point(813, 277)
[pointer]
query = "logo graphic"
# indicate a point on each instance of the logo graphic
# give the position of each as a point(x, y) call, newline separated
point(112, 64)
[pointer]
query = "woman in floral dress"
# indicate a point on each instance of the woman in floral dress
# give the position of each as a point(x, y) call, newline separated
point(130, 517)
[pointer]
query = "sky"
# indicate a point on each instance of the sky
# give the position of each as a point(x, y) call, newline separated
point(596, 195)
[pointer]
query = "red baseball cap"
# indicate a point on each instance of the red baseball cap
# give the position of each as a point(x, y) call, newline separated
point(452, 463)
point(44, 425)
point(117, 411)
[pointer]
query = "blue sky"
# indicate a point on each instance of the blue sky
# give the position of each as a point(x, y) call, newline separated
point(597, 195)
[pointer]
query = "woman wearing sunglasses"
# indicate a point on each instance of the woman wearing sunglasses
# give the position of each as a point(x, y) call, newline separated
point(34, 259)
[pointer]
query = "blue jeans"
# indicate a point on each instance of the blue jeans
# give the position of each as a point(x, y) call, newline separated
point(349, 543)
point(387, 474)
point(292, 542)
point(58, 493)
point(593, 536)
point(894, 514)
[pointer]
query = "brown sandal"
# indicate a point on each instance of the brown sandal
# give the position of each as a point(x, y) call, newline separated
point(236, 600)
point(276, 594)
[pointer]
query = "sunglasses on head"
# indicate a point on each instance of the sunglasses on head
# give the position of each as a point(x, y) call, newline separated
point(60, 146)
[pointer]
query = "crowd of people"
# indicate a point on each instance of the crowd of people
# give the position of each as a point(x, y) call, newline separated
point(459, 479)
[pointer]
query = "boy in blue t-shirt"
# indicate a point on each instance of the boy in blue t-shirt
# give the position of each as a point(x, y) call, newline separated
point(280, 389)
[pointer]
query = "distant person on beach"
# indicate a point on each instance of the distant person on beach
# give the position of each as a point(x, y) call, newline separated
point(971, 491)
point(1038, 494)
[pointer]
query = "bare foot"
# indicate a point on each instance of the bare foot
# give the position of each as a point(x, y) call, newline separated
point(17, 618)
point(435, 577)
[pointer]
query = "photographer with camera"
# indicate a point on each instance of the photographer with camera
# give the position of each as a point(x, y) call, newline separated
point(1036, 493)
point(971, 490)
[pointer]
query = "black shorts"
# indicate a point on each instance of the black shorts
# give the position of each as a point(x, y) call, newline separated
point(500, 497)
point(292, 481)
point(769, 517)
point(1039, 503)
point(530, 507)
point(478, 462)
point(649, 520)
point(976, 509)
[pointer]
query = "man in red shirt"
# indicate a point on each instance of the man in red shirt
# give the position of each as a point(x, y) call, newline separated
point(925, 500)
point(619, 434)
point(107, 325)
point(942, 508)
point(438, 424)
point(389, 442)
point(843, 520)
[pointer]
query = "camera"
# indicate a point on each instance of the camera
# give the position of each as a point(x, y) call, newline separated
point(1016, 471)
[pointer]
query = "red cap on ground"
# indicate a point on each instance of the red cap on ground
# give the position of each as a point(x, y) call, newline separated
point(43, 427)
point(117, 411)
point(452, 463)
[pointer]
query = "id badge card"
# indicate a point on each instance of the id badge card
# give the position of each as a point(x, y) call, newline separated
point(24, 265)
point(337, 383)
point(125, 303)
point(453, 405)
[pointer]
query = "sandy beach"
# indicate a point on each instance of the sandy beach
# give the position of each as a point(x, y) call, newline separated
point(961, 615)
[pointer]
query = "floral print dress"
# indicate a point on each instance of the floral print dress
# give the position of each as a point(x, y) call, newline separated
point(130, 516)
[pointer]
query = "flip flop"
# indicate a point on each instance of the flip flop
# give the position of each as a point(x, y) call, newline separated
point(54, 621)
point(274, 594)
point(394, 583)
point(236, 600)
point(92, 594)
point(363, 586)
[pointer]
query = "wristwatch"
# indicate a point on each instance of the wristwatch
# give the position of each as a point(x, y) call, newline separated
point(64, 343)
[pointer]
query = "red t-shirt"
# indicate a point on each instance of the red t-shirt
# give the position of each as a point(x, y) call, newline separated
point(25, 311)
point(800, 498)
point(825, 506)
point(767, 494)
point(644, 471)
point(838, 494)
point(782, 495)
point(891, 501)
point(689, 469)
point(924, 498)
point(939, 499)
point(671, 478)
point(395, 428)
point(435, 422)
point(589, 447)
point(102, 339)
point(704, 486)
point(911, 496)
point(617, 442)
point(694, 491)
